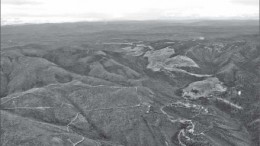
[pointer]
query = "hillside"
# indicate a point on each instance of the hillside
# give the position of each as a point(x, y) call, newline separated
point(161, 92)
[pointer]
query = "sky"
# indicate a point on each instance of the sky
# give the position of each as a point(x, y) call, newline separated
point(37, 11)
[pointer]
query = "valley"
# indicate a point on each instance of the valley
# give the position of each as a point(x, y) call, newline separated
point(75, 84)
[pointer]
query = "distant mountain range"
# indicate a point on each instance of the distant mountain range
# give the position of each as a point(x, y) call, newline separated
point(22, 21)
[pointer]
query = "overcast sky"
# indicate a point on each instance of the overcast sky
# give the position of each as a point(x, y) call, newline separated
point(89, 10)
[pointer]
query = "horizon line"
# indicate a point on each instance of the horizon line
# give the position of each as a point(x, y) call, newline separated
point(132, 20)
